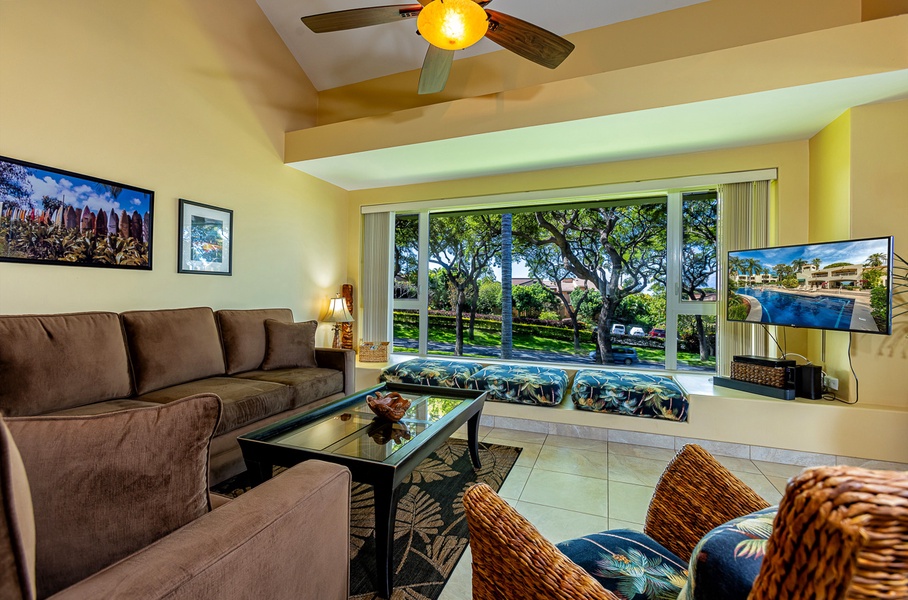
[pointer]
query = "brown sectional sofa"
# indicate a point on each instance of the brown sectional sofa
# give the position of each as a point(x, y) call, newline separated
point(98, 362)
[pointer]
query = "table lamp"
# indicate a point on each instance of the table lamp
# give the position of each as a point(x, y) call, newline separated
point(337, 314)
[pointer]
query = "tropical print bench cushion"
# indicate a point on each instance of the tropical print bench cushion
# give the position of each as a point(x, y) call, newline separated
point(626, 393)
point(522, 384)
point(628, 563)
point(425, 371)
point(726, 561)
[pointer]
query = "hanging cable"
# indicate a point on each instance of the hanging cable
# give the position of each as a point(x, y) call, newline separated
point(766, 329)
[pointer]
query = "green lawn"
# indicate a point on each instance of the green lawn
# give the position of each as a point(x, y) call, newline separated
point(532, 342)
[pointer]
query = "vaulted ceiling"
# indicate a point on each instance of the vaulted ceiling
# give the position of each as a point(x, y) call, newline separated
point(340, 58)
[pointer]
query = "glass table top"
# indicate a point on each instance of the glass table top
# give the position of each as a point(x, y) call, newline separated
point(355, 431)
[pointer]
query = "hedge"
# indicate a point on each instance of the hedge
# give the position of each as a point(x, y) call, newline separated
point(551, 332)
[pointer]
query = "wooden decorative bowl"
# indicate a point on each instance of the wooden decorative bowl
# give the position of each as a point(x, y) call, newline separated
point(390, 406)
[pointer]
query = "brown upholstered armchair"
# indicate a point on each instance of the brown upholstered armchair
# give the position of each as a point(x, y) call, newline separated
point(841, 532)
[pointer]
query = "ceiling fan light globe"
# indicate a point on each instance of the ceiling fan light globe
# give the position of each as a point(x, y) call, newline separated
point(452, 24)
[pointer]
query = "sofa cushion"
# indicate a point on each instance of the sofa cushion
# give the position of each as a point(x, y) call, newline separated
point(629, 563)
point(308, 385)
point(289, 345)
point(104, 486)
point(627, 393)
point(244, 401)
point(523, 384)
point(169, 347)
point(17, 523)
point(726, 561)
point(243, 335)
point(431, 371)
point(99, 408)
point(51, 362)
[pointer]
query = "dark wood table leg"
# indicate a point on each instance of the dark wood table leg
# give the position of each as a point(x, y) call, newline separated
point(385, 517)
point(258, 472)
point(473, 439)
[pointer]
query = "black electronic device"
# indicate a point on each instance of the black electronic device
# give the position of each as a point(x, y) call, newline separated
point(809, 381)
point(755, 388)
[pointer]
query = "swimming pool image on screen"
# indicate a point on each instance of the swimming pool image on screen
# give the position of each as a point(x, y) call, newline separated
point(826, 312)
point(841, 286)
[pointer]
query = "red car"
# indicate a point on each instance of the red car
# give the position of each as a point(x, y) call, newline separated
point(660, 333)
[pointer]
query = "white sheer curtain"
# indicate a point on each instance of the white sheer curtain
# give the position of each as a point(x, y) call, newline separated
point(744, 221)
point(376, 292)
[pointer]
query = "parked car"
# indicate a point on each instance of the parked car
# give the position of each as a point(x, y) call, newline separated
point(621, 355)
point(617, 329)
point(660, 333)
point(637, 331)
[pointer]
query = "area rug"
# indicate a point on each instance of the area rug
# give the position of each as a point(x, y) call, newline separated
point(431, 530)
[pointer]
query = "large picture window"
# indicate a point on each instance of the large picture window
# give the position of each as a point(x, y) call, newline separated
point(629, 281)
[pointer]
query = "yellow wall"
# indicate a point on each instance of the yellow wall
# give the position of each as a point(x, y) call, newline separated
point(879, 207)
point(188, 98)
point(858, 176)
point(830, 181)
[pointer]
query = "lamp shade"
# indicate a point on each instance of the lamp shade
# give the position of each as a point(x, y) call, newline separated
point(337, 312)
point(452, 24)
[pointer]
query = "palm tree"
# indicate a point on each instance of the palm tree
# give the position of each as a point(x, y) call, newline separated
point(797, 264)
point(507, 314)
point(752, 266)
point(875, 260)
point(816, 262)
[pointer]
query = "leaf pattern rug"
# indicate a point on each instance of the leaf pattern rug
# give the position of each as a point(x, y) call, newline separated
point(431, 530)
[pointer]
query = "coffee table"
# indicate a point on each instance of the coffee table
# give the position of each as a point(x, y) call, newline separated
point(377, 452)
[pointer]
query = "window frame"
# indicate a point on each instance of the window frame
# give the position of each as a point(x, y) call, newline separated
point(674, 191)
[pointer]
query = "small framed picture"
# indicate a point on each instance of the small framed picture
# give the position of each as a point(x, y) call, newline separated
point(206, 239)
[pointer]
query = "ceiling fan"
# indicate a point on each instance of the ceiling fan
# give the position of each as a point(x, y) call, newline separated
point(450, 25)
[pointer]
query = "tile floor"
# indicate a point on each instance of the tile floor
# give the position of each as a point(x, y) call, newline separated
point(568, 487)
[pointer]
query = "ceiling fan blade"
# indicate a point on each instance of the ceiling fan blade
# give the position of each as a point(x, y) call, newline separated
point(527, 40)
point(435, 70)
point(360, 17)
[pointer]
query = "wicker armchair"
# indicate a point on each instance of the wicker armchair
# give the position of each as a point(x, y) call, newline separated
point(838, 529)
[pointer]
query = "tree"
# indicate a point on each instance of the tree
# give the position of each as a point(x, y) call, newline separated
point(877, 259)
point(439, 290)
point(15, 187)
point(489, 296)
point(797, 264)
point(507, 312)
point(782, 271)
point(619, 249)
point(464, 246)
point(530, 300)
point(406, 255)
point(699, 261)
point(545, 263)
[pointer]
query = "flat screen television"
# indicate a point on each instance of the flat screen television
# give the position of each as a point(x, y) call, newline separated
point(840, 286)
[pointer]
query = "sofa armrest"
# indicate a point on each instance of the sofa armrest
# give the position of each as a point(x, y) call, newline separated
point(287, 538)
point(695, 495)
point(341, 360)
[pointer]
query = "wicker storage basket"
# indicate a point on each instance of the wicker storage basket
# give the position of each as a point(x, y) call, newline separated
point(373, 351)
point(771, 376)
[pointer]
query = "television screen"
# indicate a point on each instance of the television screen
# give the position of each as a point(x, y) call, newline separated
point(842, 286)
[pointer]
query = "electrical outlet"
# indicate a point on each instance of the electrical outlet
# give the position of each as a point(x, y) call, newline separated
point(830, 383)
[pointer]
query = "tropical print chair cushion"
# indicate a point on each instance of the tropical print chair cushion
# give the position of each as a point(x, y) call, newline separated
point(628, 563)
point(425, 371)
point(625, 393)
point(522, 384)
point(726, 561)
